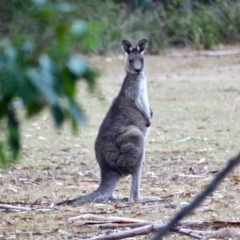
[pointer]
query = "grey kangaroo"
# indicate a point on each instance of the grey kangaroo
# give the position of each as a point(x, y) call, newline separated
point(120, 144)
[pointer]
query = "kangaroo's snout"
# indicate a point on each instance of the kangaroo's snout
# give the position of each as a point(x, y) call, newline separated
point(137, 65)
point(138, 71)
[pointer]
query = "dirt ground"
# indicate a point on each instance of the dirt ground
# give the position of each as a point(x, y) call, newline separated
point(195, 130)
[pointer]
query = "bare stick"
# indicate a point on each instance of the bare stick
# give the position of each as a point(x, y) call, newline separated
point(143, 231)
point(12, 208)
point(154, 227)
point(211, 187)
point(106, 219)
point(189, 233)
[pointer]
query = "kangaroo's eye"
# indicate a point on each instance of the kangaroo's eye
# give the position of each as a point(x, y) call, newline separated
point(130, 60)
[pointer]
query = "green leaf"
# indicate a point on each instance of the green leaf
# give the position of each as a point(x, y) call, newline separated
point(65, 7)
point(9, 82)
point(61, 31)
point(90, 77)
point(13, 133)
point(10, 53)
point(3, 159)
point(95, 26)
point(2, 62)
point(68, 81)
point(39, 2)
point(34, 107)
point(78, 28)
point(45, 80)
point(42, 82)
point(58, 115)
point(4, 103)
point(25, 90)
point(76, 65)
point(90, 41)
point(75, 112)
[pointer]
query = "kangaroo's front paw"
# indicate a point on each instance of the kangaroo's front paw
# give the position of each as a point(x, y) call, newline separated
point(148, 124)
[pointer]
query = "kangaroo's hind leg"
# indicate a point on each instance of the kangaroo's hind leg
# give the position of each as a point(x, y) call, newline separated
point(135, 185)
point(130, 161)
point(109, 180)
point(126, 156)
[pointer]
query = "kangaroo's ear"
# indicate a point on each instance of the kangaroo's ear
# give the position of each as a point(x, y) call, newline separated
point(142, 45)
point(127, 46)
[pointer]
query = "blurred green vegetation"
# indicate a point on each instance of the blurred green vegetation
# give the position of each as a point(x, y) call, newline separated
point(38, 68)
point(175, 23)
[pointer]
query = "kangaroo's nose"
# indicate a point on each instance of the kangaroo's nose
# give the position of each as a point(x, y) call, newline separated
point(138, 71)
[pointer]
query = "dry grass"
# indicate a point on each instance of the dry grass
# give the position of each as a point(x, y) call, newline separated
point(195, 129)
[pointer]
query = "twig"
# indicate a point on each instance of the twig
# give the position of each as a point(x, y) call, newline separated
point(121, 225)
point(144, 230)
point(141, 227)
point(111, 219)
point(167, 205)
point(188, 232)
point(132, 222)
point(12, 208)
point(219, 177)
point(125, 234)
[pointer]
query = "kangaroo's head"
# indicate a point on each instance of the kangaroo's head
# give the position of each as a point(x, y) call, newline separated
point(135, 62)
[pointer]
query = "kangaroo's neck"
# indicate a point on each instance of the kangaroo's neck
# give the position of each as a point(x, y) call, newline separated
point(134, 86)
point(134, 89)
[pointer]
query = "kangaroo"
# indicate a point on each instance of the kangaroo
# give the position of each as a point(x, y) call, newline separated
point(120, 143)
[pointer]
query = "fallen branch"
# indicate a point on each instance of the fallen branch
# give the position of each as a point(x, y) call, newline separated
point(12, 208)
point(190, 228)
point(111, 219)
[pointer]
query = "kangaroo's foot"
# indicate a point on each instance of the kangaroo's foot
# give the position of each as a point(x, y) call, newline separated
point(119, 197)
point(66, 202)
point(148, 124)
point(81, 200)
point(90, 198)
point(103, 199)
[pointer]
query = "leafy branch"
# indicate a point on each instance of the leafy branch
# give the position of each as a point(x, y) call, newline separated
point(42, 73)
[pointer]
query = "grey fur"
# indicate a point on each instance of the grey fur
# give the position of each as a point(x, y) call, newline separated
point(120, 144)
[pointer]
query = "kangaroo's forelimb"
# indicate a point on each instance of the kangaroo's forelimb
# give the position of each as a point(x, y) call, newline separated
point(145, 114)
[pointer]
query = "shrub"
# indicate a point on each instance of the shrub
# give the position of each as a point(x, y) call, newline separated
point(174, 25)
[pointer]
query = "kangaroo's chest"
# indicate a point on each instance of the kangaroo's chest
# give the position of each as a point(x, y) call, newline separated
point(133, 95)
point(143, 96)
point(138, 91)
